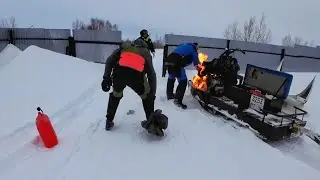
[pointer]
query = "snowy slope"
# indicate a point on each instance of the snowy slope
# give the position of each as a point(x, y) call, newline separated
point(196, 145)
point(304, 149)
point(301, 80)
point(8, 54)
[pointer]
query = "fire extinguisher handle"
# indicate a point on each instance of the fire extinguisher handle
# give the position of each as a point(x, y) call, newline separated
point(39, 109)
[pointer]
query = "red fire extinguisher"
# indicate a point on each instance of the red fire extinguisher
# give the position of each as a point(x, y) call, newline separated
point(45, 129)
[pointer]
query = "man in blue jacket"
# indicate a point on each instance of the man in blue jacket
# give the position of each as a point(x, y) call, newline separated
point(184, 55)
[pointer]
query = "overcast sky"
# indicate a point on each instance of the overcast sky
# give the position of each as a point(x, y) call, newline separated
point(192, 17)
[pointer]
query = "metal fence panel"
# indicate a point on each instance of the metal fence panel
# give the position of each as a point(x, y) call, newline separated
point(303, 51)
point(21, 35)
point(172, 39)
point(96, 52)
point(298, 59)
point(4, 38)
point(263, 55)
point(302, 59)
point(211, 46)
point(43, 38)
point(58, 39)
point(296, 64)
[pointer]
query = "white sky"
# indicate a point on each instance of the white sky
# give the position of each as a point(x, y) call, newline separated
point(201, 17)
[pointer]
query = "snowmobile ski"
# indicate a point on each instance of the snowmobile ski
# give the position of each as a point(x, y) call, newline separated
point(312, 135)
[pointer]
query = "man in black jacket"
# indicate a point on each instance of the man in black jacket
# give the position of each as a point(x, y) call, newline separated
point(144, 35)
point(131, 65)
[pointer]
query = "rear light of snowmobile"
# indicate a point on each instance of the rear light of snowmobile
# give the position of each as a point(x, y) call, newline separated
point(45, 129)
point(256, 92)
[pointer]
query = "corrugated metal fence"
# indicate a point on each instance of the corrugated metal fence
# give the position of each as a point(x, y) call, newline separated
point(297, 59)
point(96, 46)
point(89, 45)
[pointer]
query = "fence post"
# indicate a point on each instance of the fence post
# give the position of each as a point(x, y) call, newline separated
point(228, 43)
point(165, 54)
point(11, 37)
point(71, 49)
point(282, 54)
point(67, 50)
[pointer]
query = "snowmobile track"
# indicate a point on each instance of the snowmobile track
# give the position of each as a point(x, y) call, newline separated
point(228, 117)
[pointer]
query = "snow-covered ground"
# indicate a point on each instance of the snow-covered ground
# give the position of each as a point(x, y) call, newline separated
point(196, 145)
point(8, 54)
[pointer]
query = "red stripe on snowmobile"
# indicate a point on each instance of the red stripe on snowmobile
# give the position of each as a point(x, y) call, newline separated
point(132, 60)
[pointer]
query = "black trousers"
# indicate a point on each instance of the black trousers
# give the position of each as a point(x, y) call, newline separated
point(174, 63)
point(123, 77)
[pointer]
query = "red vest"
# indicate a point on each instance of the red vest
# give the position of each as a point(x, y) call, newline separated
point(132, 60)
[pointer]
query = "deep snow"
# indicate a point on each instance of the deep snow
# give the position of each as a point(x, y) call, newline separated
point(8, 54)
point(196, 145)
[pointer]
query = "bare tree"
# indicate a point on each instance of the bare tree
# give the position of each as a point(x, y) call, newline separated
point(8, 22)
point(158, 42)
point(78, 24)
point(252, 31)
point(262, 32)
point(311, 43)
point(248, 30)
point(95, 24)
point(291, 41)
point(287, 41)
point(233, 31)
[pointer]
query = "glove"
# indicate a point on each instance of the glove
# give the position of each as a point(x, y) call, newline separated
point(106, 84)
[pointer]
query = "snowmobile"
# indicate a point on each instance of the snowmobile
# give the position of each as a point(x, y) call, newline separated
point(259, 99)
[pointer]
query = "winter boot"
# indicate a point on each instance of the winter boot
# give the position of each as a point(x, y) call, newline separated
point(111, 111)
point(109, 125)
point(170, 86)
point(181, 89)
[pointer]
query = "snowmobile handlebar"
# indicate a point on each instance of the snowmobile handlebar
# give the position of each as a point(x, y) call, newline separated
point(227, 52)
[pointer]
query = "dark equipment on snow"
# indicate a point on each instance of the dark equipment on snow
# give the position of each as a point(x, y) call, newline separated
point(259, 100)
point(156, 123)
